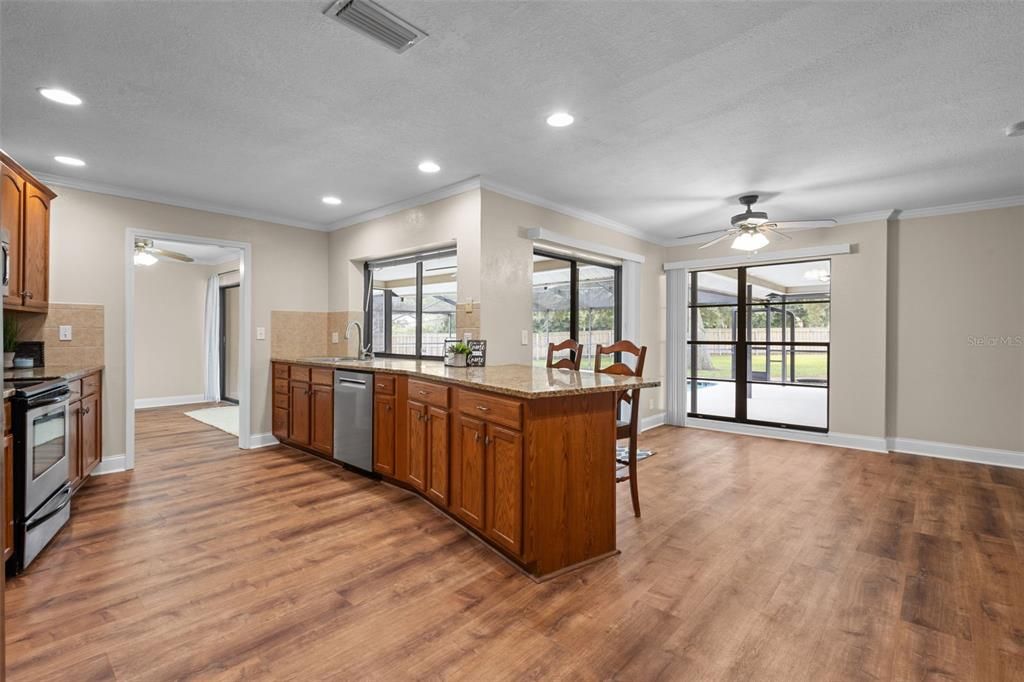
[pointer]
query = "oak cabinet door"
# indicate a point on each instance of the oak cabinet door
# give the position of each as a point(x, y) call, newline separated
point(416, 452)
point(298, 412)
point(89, 433)
point(74, 443)
point(384, 434)
point(505, 487)
point(468, 471)
point(36, 249)
point(280, 424)
point(437, 455)
point(322, 428)
point(12, 201)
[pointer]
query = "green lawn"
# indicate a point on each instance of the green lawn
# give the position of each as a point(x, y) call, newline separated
point(808, 366)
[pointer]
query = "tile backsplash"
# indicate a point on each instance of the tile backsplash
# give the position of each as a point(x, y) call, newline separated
point(86, 344)
point(297, 334)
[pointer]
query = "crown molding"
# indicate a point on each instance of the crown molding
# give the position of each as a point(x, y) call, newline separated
point(866, 217)
point(965, 207)
point(159, 198)
point(412, 202)
point(570, 211)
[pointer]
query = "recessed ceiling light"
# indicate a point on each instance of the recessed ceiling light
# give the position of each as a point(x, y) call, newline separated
point(69, 160)
point(560, 119)
point(429, 167)
point(331, 201)
point(1015, 129)
point(61, 96)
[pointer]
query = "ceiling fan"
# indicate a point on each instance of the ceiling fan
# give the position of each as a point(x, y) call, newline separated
point(749, 229)
point(147, 254)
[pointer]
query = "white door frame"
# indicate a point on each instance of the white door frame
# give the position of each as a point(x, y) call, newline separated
point(244, 323)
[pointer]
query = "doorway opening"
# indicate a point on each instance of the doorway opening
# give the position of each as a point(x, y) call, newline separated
point(188, 358)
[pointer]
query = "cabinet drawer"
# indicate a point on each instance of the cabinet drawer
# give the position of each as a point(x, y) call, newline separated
point(384, 384)
point(280, 371)
point(90, 384)
point(492, 408)
point(323, 377)
point(431, 394)
point(281, 386)
point(76, 389)
point(299, 373)
point(281, 400)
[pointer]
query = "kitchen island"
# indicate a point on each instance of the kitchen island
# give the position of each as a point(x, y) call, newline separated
point(523, 457)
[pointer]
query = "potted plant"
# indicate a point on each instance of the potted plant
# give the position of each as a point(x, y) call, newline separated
point(10, 339)
point(458, 352)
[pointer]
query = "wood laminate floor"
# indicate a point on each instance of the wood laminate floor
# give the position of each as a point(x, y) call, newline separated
point(755, 560)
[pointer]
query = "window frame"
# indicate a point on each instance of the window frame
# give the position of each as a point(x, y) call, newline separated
point(574, 313)
point(742, 347)
point(418, 258)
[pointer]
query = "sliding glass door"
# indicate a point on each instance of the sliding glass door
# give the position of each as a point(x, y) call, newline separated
point(577, 299)
point(759, 344)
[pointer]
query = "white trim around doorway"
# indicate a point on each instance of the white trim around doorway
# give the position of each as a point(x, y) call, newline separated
point(244, 335)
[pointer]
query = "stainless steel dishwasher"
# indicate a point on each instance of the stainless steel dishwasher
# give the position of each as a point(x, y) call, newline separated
point(353, 418)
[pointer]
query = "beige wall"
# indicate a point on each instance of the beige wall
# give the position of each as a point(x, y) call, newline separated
point(170, 305)
point(506, 289)
point(857, 361)
point(87, 246)
point(957, 339)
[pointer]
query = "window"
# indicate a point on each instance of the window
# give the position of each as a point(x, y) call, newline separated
point(410, 303)
point(574, 298)
point(759, 344)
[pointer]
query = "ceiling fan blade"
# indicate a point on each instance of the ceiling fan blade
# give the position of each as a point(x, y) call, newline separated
point(691, 238)
point(770, 227)
point(802, 224)
point(715, 241)
point(174, 255)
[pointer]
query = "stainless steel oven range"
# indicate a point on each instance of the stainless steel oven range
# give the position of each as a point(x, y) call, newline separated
point(42, 495)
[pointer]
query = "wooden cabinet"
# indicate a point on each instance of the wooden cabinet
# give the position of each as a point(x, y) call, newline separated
point(303, 407)
point(426, 452)
point(25, 216)
point(85, 424)
point(504, 494)
point(321, 413)
point(384, 434)
point(8, 484)
point(437, 455)
point(415, 470)
point(469, 468)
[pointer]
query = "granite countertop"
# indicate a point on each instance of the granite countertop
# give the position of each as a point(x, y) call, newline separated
point(69, 372)
point(522, 381)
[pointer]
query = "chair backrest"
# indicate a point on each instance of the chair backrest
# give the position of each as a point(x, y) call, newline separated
point(622, 368)
point(571, 362)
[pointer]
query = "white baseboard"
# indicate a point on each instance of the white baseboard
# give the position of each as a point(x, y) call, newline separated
point(652, 421)
point(261, 440)
point(963, 453)
point(111, 464)
point(168, 401)
point(841, 440)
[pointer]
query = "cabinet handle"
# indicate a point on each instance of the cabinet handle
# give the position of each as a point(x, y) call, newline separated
point(388, 407)
point(422, 392)
point(84, 410)
point(488, 440)
point(476, 437)
point(483, 409)
point(26, 293)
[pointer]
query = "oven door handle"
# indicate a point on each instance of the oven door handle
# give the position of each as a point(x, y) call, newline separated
point(50, 401)
point(65, 501)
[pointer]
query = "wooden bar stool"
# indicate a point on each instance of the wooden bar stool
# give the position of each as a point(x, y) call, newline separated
point(626, 429)
point(571, 362)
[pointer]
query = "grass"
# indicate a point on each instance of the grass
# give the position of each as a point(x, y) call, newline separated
point(808, 366)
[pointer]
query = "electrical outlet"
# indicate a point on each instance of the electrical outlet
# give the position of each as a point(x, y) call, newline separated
point(334, 337)
point(261, 333)
point(526, 338)
point(65, 332)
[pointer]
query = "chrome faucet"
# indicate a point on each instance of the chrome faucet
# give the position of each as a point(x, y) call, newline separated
point(364, 353)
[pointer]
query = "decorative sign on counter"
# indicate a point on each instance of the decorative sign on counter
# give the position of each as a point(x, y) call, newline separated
point(470, 353)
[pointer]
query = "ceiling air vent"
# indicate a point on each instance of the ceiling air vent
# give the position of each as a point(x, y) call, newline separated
point(373, 20)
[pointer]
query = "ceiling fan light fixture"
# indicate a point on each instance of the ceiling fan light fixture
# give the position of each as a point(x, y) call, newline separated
point(749, 241)
point(143, 258)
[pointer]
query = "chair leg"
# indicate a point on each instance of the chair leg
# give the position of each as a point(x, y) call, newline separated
point(634, 492)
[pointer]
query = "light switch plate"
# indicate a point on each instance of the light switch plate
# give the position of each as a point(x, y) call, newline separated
point(526, 338)
point(261, 333)
point(65, 332)
point(334, 337)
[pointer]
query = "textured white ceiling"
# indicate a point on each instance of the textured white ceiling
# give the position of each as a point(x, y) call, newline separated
point(827, 108)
